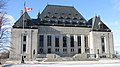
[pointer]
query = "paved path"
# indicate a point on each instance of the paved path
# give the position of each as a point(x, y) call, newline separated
point(64, 65)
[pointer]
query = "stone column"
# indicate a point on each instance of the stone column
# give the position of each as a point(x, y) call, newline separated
point(45, 43)
point(75, 44)
point(68, 44)
point(61, 44)
point(82, 44)
point(53, 44)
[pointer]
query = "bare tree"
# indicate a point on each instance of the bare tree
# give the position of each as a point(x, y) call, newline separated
point(3, 26)
point(4, 33)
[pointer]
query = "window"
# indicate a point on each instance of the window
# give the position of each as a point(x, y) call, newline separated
point(53, 17)
point(72, 50)
point(24, 38)
point(68, 18)
point(72, 41)
point(79, 50)
point(69, 14)
point(41, 39)
point(56, 13)
point(76, 14)
point(74, 22)
point(64, 41)
point(24, 47)
point(60, 22)
point(40, 50)
point(102, 39)
point(64, 50)
point(49, 40)
point(103, 48)
point(67, 22)
point(46, 17)
point(81, 19)
point(33, 51)
point(103, 44)
point(56, 41)
point(79, 40)
point(101, 26)
point(61, 18)
point(74, 18)
point(57, 50)
point(86, 41)
point(49, 13)
point(49, 50)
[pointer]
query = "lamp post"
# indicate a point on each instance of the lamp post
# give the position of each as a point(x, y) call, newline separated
point(22, 60)
point(22, 56)
point(97, 53)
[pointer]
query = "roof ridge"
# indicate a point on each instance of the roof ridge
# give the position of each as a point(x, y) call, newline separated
point(60, 5)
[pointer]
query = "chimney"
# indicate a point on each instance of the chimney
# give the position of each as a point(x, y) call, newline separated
point(21, 12)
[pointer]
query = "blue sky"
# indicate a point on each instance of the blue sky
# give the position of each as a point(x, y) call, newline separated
point(108, 10)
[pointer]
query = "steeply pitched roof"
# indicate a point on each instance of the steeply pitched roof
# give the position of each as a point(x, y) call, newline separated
point(55, 15)
point(61, 15)
point(27, 21)
point(98, 25)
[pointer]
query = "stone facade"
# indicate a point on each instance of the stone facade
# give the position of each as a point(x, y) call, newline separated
point(34, 39)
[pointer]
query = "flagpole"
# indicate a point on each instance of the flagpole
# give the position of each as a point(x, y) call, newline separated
point(22, 56)
point(24, 12)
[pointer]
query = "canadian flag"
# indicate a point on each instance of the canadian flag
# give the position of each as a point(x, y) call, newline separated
point(27, 9)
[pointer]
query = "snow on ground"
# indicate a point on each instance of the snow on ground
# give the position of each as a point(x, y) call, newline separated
point(64, 65)
point(100, 63)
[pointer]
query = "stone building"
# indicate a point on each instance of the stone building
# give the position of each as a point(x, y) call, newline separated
point(60, 31)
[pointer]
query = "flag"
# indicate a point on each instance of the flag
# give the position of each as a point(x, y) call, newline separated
point(27, 9)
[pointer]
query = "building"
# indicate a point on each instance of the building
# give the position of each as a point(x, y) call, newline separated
point(60, 31)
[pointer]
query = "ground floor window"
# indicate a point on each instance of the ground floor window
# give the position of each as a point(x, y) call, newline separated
point(24, 47)
point(64, 50)
point(41, 39)
point(56, 41)
point(41, 50)
point(64, 41)
point(49, 40)
point(57, 50)
point(71, 41)
point(72, 50)
point(79, 40)
point(49, 50)
point(103, 48)
point(79, 50)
